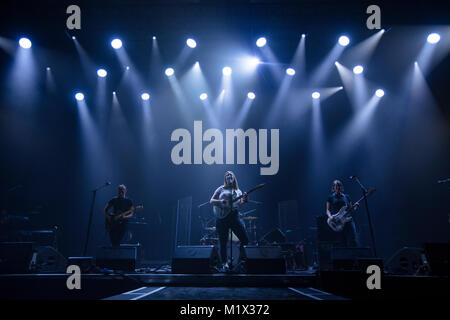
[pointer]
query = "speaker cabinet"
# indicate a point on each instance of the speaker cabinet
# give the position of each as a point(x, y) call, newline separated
point(264, 260)
point(194, 259)
point(117, 258)
point(406, 261)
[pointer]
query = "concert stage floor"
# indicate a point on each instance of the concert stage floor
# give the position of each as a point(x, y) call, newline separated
point(224, 293)
point(302, 285)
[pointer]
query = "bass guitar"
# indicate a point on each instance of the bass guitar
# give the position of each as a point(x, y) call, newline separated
point(337, 221)
point(222, 211)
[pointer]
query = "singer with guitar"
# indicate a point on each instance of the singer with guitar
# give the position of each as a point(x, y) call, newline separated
point(116, 222)
point(336, 201)
point(227, 215)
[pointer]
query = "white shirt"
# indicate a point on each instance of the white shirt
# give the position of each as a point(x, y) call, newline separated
point(225, 192)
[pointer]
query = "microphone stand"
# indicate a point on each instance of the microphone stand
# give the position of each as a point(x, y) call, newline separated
point(372, 237)
point(91, 212)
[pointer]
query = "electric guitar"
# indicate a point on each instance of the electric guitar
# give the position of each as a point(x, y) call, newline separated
point(114, 220)
point(221, 211)
point(337, 221)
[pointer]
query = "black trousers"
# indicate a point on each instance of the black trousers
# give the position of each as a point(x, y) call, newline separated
point(223, 227)
point(349, 237)
point(116, 234)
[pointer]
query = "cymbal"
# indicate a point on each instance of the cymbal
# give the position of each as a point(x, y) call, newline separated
point(250, 218)
point(210, 228)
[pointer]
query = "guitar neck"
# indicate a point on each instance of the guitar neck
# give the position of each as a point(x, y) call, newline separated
point(248, 192)
point(365, 196)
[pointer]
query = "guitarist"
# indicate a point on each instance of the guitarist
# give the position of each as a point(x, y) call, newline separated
point(221, 197)
point(335, 202)
point(118, 228)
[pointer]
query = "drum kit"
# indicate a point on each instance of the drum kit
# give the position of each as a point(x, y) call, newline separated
point(210, 236)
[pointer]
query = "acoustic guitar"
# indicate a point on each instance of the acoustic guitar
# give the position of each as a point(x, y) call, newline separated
point(222, 211)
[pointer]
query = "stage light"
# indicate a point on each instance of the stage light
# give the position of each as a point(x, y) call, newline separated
point(145, 96)
point(251, 95)
point(290, 72)
point(303, 35)
point(128, 68)
point(433, 38)
point(344, 41)
point(102, 73)
point(315, 95)
point(379, 93)
point(25, 43)
point(261, 42)
point(358, 69)
point(203, 96)
point(73, 37)
point(253, 61)
point(114, 93)
point(227, 71)
point(116, 44)
point(154, 38)
point(48, 68)
point(191, 43)
point(79, 96)
point(169, 72)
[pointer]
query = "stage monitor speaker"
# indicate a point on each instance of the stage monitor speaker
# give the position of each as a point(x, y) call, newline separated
point(407, 261)
point(117, 258)
point(47, 260)
point(438, 256)
point(274, 236)
point(194, 259)
point(264, 260)
point(15, 257)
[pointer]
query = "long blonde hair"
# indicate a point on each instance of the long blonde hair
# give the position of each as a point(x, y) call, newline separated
point(235, 183)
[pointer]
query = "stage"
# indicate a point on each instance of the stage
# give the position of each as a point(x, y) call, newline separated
point(280, 151)
point(301, 285)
